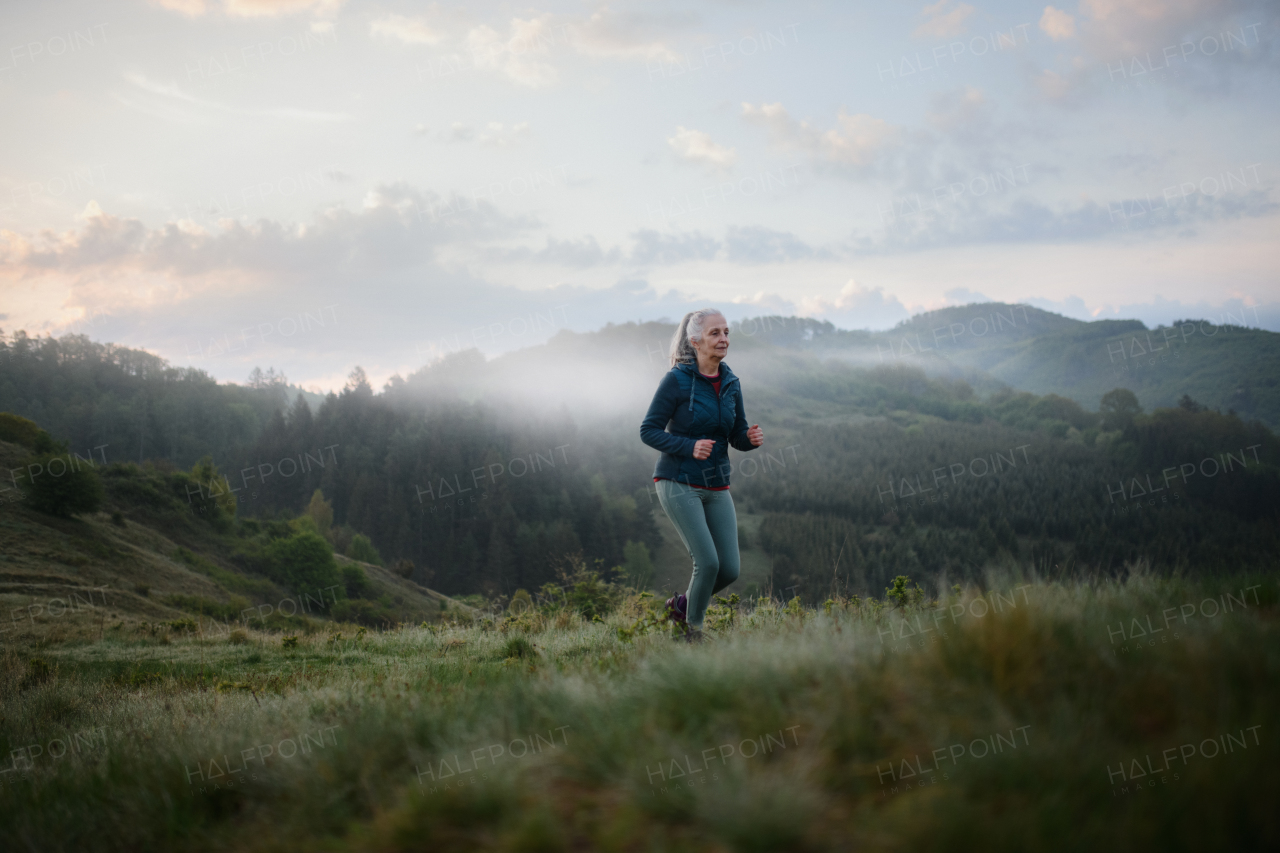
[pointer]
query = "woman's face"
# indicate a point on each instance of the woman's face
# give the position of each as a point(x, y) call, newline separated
point(715, 337)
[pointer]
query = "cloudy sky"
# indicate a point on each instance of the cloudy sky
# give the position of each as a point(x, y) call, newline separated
point(310, 185)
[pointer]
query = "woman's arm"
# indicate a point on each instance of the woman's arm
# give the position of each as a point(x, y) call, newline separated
point(653, 429)
point(738, 436)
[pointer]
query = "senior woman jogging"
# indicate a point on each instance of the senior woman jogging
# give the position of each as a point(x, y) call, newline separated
point(695, 415)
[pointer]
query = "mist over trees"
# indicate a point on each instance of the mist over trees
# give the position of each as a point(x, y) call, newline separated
point(459, 478)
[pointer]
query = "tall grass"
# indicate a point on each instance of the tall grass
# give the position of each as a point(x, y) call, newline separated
point(832, 699)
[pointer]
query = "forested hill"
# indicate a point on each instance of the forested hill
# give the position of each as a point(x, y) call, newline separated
point(1225, 366)
point(137, 404)
point(489, 474)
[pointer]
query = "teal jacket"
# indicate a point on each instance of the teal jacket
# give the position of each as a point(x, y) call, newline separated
point(685, 408)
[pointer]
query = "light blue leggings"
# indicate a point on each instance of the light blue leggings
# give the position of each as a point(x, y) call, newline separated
point(708, 526)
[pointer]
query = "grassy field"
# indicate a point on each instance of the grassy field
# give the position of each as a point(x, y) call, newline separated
point(1034, 716)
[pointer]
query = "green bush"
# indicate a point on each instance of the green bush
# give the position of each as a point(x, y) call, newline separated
point(518, 647)
point(19, 430)
point(521, 603)
point(304, 563)
point(362, 549)
point(61, 485)
point(591, 597)
point(903, 595)
point(38, 672)
point(208, 493)
point(355, 580)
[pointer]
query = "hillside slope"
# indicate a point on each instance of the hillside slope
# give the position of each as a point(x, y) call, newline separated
point(132, 566)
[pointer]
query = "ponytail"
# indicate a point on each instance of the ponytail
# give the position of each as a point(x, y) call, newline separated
point(688, 330)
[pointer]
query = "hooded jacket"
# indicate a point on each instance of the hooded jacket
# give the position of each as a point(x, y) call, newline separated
point(685, 409)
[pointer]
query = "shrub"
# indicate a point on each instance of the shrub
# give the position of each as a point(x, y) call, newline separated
point(901, 594)
point(355, 580)
point(362, 549)
point(19, 430)
point(60, 485)
point(208, 493)
point(38, 672)
point(521, 603)
point(592, 597)
point(519, 647)
point(304, 563)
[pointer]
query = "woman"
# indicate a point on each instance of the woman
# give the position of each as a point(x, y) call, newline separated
point(695, 415)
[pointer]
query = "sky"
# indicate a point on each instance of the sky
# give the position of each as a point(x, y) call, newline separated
point(314, 184)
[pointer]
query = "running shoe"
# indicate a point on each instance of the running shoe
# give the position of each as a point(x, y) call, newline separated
point(677, 607)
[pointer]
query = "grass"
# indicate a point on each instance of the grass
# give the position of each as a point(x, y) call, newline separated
point(412, 738)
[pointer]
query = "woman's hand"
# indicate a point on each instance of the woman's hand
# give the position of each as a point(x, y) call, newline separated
point(755, 435)
point(702, 448)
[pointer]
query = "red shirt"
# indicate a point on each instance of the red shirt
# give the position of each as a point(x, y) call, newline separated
point(715, 383)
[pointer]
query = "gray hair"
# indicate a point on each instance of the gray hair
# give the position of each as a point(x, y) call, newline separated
point(689, 330)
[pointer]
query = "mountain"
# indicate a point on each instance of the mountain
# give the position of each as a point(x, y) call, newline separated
point(1226, 367)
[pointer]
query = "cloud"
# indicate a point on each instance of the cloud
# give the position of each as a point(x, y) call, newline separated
point(168, 100)
point(975, 221)
point(252, 8)
point(857, 307)
point(858, 141)
point(1127, 28)
point(275, 8)
point(756, 245)
point(965, 296)
point(943, 20)
point(1057, 24)
point(1058, 88)
point(406, 30)
point(853, 307)
point(194, 8)
point(520, 53)
point(653, 247)
point(396, 226)
point(494, 134)
point(631, 35)
point(567, 253)
point(962, 112)
point(1191, 45)
point(698, 147)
